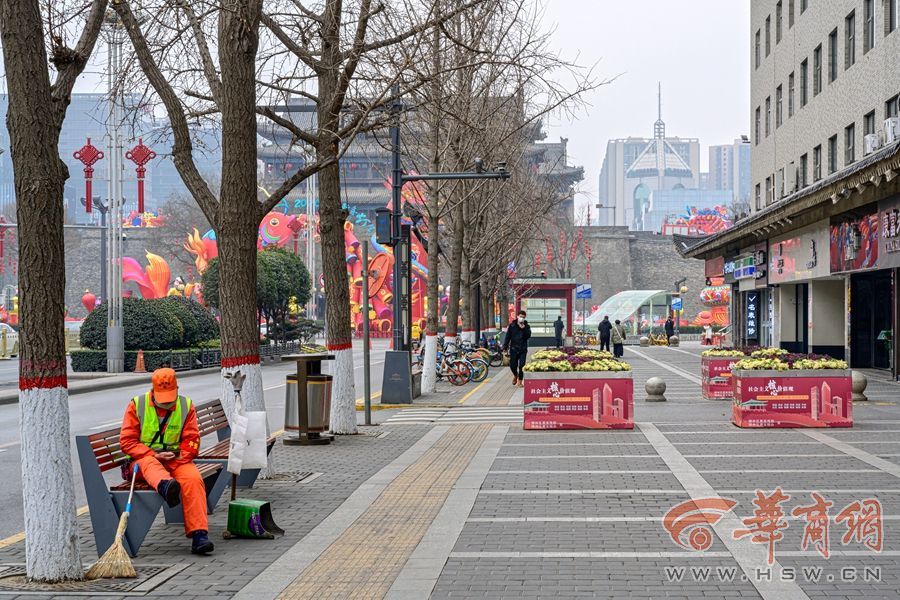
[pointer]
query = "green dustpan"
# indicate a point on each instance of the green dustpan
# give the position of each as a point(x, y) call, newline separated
point(251, 519)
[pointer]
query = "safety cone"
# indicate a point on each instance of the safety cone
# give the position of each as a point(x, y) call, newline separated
point(139, 363)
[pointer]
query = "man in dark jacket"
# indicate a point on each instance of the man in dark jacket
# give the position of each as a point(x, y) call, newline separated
point(670, 328)
point(516, 343)
point(558, 327)
point(604, 328)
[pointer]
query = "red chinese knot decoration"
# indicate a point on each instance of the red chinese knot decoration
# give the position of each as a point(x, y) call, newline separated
point(88, 155)
point(140, 155)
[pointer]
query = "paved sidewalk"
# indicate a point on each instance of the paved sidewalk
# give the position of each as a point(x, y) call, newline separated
point(456, 500)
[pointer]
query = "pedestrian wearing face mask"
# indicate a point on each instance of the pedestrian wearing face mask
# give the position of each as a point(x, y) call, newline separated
point(516, 344)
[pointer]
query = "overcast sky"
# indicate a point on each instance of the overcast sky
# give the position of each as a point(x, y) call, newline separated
point(697, 49)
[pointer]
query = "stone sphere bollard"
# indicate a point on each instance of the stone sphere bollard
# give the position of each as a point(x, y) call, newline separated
point(673, 341)
point(645, 341)
point(859, 382)
point(656, 389)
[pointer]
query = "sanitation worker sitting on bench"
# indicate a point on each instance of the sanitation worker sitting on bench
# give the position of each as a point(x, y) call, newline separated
point(160, 433)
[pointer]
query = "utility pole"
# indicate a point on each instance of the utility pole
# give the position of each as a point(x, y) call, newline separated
point(102, 207)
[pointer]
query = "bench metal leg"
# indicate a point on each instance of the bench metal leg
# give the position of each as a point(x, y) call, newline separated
point(106, 507)
point(218, 487)
point(144, 508)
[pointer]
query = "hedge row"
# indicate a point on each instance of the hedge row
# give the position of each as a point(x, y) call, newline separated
point(95, 360)
point(163, 324)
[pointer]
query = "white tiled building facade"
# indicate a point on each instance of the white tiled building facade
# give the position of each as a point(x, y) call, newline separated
point(824, 74)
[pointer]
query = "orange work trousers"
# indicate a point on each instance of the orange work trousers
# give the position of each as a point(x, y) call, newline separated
point(193, 491)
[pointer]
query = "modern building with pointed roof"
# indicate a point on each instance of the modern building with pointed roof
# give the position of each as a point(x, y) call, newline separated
point(635, 167)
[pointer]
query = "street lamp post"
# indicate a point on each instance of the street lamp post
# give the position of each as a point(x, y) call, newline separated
point(102, 207)
point(397, 382)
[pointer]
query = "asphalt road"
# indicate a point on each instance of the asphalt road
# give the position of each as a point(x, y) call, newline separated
point(91, 412)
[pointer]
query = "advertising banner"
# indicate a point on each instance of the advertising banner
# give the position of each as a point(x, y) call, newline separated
point(764, 399)
point(561, 402)
point(889, 240)
point(800, 255)
point(854, 244)
point(715, 376)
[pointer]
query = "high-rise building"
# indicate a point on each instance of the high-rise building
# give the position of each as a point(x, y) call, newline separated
point(729, 169)
point(634, 167)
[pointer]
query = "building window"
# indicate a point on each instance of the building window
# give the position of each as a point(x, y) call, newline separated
point(850, 144)
point(758, 48)
point(804, 165)
point(803, 5)
point(832, 56)
point(768, 116)
point(891, 13)
point(869, 123)
point(817, 70)
point(892, 107)
point(781, 184)
point(790, 95)
point(850, 40)
point(768, 35)
point(817, 163)
point(869, 33)
point(758, 120)
point(804, 83)
point(790, 13)
point(770, 190)
point(832, 154)
point(778, 21)
point(779, 106)
point(758, 196)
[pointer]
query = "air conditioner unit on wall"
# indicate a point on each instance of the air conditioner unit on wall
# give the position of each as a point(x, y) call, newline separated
point(872, 143)
point(891, 130)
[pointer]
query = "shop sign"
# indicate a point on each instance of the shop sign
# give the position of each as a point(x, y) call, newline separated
point(854, 242)
point(715, 267)
point(742, 267)
point(796, 256)
point(752, 316)
point(889, 241)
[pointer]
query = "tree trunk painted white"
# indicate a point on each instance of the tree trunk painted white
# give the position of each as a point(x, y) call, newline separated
point(48, 489)
point(429, 365)
point(253, 399)
point(343, 394)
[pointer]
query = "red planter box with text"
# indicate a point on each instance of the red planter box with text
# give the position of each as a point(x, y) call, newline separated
point(715, 375)
point(809, 398)
point(580, 400)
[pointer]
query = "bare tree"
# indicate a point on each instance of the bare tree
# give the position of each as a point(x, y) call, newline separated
point(37, 109)
point(492, 79)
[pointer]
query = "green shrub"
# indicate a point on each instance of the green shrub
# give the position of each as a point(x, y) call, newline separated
point(177, 309)
point(84, 361)
point(148, 326)
point(207, 325)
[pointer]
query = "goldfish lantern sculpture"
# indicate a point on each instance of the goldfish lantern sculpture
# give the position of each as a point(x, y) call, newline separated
point(715, 295)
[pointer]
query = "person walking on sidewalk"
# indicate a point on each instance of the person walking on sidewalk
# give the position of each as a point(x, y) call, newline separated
point(160, 433)
point(604, 328)
point(516, 344)
point(670, 329)
point(617, 333)
point(558, 327)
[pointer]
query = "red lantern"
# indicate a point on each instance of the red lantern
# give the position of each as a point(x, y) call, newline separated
point(140, 155)
point(88, 155)
point(89, 301)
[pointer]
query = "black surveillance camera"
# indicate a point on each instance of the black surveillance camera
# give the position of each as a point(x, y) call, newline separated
point(479, 165)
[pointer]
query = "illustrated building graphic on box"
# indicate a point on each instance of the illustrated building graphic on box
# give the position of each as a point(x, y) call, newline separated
point(607, 406)
point(822, 403)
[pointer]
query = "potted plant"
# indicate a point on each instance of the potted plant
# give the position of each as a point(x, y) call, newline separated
point(578, 388)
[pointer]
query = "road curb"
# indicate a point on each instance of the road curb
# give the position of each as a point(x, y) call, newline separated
point(81, 386)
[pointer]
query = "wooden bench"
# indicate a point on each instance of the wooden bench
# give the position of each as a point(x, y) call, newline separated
point(211, 419)
point(101, 452)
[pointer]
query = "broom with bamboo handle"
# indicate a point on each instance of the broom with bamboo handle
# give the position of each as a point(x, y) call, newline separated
point(115, 562)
